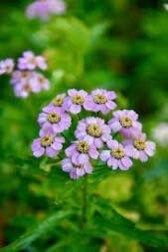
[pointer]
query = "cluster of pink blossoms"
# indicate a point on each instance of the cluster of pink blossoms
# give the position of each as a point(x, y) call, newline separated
point(94, 135)
point(25, 79)
point(44, 8)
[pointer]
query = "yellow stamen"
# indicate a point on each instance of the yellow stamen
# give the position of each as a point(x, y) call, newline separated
point(83, 146)
point(58, 101)
point(78, 99)
point(126, 122)
point(53, 117)
point(46, 141)
point(94, 130)
point(100, 99)
point(140, 144)
point(118, 153)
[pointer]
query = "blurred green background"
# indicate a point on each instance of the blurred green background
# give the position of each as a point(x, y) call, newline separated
point(120, 45)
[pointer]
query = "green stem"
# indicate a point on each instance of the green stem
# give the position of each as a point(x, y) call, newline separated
point(66, 138)
point(84, 201)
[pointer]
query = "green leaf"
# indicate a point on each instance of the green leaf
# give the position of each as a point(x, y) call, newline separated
point(35, 232)
point(107, 220)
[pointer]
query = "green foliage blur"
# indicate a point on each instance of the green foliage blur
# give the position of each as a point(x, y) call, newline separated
point(120, 45)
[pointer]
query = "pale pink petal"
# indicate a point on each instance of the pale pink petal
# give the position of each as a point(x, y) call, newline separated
point(127, 163)
point(82, 159)
point(116, 126)
point(105, 155)
point(142, 156)
point(93, 153)
point(39, 152)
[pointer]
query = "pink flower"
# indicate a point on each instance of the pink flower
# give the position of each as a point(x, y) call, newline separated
point(101, 100)
point(30, 62)
point(74, 101)
point(117, 156)
point(94, 139)
point(76, 170)
point(26, 82)
point(81, 151)
point(125, 122)
point(58, 101)
point(140, 148)
point(93, 130)
point(6, 66)
point(48, 144)
point(56, 118)
point(44, 8)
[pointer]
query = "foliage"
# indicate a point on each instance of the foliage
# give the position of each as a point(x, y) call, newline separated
point(119, 45)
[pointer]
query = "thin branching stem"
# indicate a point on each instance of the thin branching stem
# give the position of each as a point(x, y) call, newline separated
point(84, 201)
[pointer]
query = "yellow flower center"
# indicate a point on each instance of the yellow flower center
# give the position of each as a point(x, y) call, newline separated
point(83, 146)
point(46, 141)
point(94, 130)
point(58, 101)
point(78, 166)
point(25, 74)
point(8, 68)
point(41, 80)
point(32, 60)
point(118, 153)
point(100, 99)
point(78, 99)
point(53, 117)
point(27, 87)
point(126, 122)
point(140, 144)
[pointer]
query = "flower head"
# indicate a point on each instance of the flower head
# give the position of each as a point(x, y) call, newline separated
point(47, 144)
point(30, 62)
point(125, 122)
point(76, 170)
point(44, 8)
point(56, 118)
point(117, 156)
point(6, 66)
point(101, 100)
point(81, 151)
point(94, 135)
point(140, 148)
point(58, 101)
point(93, 130)
point(74, 101)
point(26, 82)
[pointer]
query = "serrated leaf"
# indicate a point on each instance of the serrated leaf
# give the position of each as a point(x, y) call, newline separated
point(35, 232)
point(107, 220)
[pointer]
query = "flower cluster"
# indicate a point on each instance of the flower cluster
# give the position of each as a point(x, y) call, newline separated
point(44, 8)
point(95, 136)
point(25, 78)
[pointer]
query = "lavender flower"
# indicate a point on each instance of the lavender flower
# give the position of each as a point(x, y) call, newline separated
point(58, 101)
point(76, 170)
point(125, 122)
point(81, 151)
point(101, 100)
point(6, 66)
point(48, 144)
point(117, 157)
point(74, 101)
point(93, 130)
point(26, 82)
point(93, 135)
point(56, 118)
point(30, 62)
point(140, 148)
point(44, 8)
